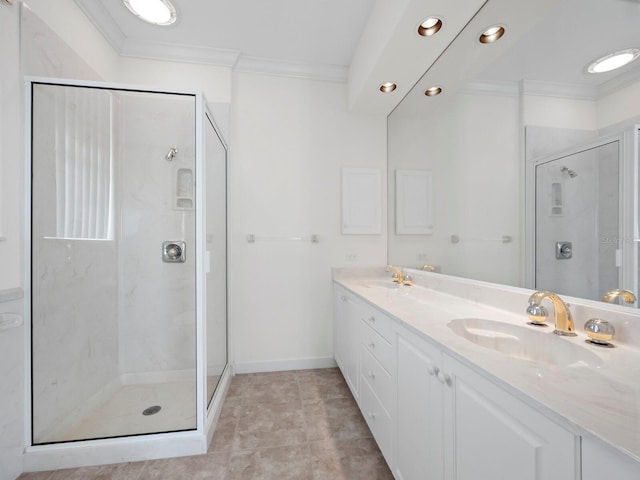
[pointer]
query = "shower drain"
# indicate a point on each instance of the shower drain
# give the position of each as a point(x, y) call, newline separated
point(152, 410)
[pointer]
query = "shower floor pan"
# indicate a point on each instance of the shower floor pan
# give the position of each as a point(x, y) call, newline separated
point(122, 413)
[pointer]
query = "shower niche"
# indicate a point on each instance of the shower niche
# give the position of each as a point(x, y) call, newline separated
point(126, 349)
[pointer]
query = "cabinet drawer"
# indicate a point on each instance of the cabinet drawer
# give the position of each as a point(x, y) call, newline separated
point(377, 320)
point(377, 378)
point(378, 420)
point(376, 345)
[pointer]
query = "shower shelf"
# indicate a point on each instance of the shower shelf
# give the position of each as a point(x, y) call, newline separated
point(9, 320)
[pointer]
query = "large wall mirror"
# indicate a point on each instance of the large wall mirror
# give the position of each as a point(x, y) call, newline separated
point(532, 159)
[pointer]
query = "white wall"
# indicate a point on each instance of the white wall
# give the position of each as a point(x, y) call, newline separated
point(289, 139)
point(12, 369)
point(471, 147)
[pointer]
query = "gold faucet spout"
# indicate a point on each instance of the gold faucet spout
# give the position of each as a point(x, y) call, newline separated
point(428, 268)
point(397, 276)
point(612, 295)
point(562, 315)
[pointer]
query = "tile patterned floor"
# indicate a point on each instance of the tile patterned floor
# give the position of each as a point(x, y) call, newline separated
point(298, 425)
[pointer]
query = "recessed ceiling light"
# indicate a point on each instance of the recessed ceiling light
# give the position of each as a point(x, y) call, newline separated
point(430, 26)
point(492, 34)
point(613, 61)
point(157, 12)
point(433, 91)
point(388, 87)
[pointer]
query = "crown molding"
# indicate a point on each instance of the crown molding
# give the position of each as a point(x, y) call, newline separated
point(509, 89)
point(619, 82)
point(165, 51)
point(332, 73)
point(153, 50)
point(559, 90)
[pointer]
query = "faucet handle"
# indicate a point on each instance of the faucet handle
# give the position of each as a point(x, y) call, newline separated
point(407, 280)
point(537, 314)
point(599, 331)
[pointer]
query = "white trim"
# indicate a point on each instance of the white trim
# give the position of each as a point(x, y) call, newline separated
point(559, 90)
point(230, 58)
point(491, 88)
point(332, 73)
point(213, 413)
point(285, 365)
point(201, 291)
point(115, 450)
point(165, 51)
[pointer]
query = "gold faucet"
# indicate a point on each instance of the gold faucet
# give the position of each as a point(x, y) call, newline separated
point(428, 268)
point(612, 295)
point(563, 319)
point(397, 276)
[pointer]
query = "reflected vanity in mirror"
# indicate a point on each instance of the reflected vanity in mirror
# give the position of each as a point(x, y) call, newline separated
point(524, 143)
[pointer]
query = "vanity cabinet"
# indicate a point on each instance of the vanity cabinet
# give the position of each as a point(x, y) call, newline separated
point(489, 433)
point(420, 421)
point(452, 423)
point(346, 315)
point(376, 381)
point(433, 417)
point(600, 461)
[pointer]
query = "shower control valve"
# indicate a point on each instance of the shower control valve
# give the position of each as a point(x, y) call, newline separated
point(174, 252)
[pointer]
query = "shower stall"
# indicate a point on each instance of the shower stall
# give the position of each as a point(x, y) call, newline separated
point(582, 221)
point(126, 263)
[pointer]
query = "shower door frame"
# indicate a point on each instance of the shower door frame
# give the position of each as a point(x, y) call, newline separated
point(627, 175)
point(126, 448)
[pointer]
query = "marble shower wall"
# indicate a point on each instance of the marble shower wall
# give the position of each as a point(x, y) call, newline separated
point(157, 300)
point(74, 283)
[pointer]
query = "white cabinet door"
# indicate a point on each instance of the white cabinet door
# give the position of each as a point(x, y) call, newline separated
point(361, 201)
point(346, 323)
point(420, 452)
point(489, 434)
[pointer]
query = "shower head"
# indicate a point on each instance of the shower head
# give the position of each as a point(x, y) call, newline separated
point(173, 151)
point(569, 172)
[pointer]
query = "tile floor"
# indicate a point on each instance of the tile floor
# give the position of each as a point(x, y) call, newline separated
point(298, 425)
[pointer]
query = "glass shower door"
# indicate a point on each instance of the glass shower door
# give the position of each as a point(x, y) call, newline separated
point(113, 280)
point(577, 223)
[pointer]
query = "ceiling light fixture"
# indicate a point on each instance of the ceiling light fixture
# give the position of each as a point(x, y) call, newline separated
point(492, 34)
point(157, 12)
point(388, 87)
point(433, 91)
point(430, 26)
point(613, 60)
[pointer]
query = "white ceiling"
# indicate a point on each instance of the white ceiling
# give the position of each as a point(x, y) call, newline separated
point(312, 37)
point(560, 48)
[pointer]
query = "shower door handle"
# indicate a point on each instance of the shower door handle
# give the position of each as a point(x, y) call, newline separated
point(174, 252)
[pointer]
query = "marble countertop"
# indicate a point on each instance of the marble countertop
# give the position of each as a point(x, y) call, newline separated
point(602, 401)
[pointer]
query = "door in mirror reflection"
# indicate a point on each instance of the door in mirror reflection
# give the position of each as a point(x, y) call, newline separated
point(577, 223)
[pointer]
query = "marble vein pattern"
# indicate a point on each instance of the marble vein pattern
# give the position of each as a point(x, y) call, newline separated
point(294, 425)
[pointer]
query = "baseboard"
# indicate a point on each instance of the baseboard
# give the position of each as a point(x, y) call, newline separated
point(283, 365)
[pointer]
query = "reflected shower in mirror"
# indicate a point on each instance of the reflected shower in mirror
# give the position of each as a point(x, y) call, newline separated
point(506, 111)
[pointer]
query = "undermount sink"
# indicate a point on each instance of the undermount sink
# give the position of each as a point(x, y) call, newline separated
point(385, 284)
point(524, 343)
